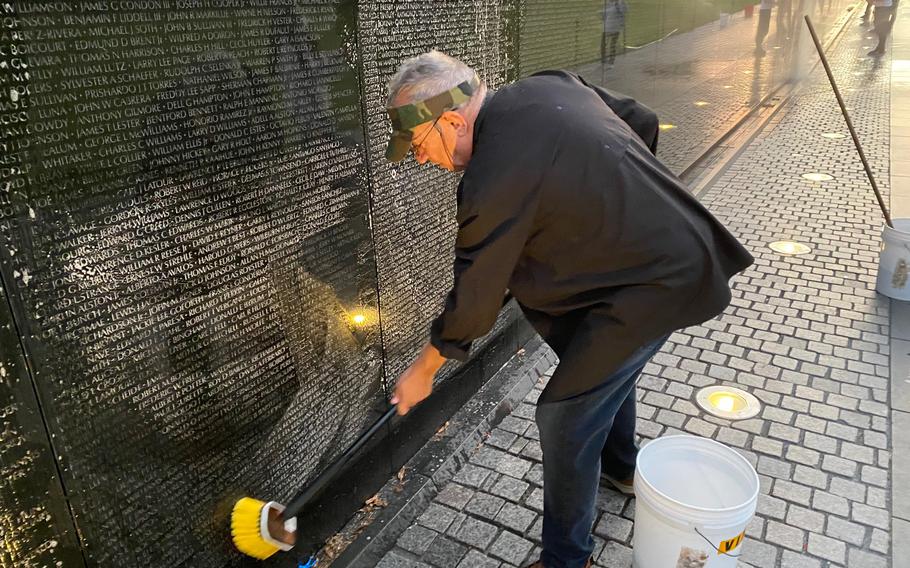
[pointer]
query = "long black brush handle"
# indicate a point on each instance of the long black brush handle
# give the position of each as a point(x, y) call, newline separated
point(299, 502)
point(326, 476)
point(843, 109)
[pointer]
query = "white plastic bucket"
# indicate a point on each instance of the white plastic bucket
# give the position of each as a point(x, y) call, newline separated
point(894, 262)
point(694, 498)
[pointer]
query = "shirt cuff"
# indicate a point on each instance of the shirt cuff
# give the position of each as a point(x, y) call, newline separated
point(448, 349)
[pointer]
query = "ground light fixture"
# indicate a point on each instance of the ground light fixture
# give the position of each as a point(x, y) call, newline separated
point(833, 135)
point(789, 248)
point(815, 176)
point(701, 103)
point(730, 403)
point(666, 126)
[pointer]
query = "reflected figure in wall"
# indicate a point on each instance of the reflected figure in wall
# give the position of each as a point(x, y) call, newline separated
point(764, 24)
point(614, 17)
point(864, 19)
point(227, 339)
point(885, 13)
point(784, 23)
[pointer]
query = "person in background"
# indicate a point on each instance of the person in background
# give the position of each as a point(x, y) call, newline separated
point(885, 12)
point(764, 23)
point(864, 19)
point(614, 14)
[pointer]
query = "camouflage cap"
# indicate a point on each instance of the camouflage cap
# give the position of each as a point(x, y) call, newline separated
point(406, 117)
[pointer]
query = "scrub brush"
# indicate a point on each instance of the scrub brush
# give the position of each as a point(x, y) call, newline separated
point(259, 530)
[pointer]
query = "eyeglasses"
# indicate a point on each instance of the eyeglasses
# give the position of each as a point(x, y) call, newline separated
point(416, 146)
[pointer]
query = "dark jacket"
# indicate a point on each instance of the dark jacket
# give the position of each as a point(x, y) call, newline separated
point(602, 246)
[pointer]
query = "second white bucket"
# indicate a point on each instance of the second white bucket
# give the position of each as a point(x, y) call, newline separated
point(894, 262)
point(694, 498)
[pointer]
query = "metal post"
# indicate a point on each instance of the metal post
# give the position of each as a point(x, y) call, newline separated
point(843, 108)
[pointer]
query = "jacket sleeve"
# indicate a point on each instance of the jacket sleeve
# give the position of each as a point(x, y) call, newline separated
point(497, 204)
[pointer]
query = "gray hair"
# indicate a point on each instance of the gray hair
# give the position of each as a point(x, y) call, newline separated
point(426, 75)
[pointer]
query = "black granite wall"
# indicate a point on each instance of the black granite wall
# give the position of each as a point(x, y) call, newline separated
point(199, 229)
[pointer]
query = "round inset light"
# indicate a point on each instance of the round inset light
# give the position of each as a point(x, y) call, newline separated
point(701, 103)
point(728, 402)
point(833, 135)
point(789, 248)
point(728, 86)
point(666, 126)
point(814, 176)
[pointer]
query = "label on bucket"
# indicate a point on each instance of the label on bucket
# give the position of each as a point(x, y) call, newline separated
point(730, 544)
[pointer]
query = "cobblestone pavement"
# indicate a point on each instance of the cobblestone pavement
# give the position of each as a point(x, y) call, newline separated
point(807, 335)
point(703, 81)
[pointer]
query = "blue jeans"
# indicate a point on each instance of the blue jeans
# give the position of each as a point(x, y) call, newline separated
point(577, 436)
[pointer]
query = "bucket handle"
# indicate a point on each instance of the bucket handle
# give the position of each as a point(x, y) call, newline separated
point(714, 547)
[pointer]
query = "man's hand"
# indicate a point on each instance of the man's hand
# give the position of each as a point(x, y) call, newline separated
point(416, 383)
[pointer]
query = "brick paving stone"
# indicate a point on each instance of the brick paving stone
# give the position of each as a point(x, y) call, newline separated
point(535, 533)
point(807, 519)
point(511, 548)
point(785, 535)
point(834, 464)
point(872, 516)
point(502, 462)
point(515, 517)
point(792, 492)
point(881, 541)
point(395, 560)
point(535, 475)
point(791, 559)
point(416, 539)
point(510, 488)
point(437, 517)
point(613, 527)
point(475, 559)
point(851, 533)
point(772, 507)
point(866, 559)
point(454, 495)
point(444, 552)
point(774, 467)
point(472, 475)
point(810, 476)
point(827, 548)
point(535, 499)
point(615, 555)
point(876, 497)
point(501, 439)
point(484, 505)
point(474, 532)
point(851, 490)
point(760, 554)
point(611, 501)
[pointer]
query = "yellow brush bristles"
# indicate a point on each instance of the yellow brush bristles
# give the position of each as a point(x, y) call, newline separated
point(245, 531)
